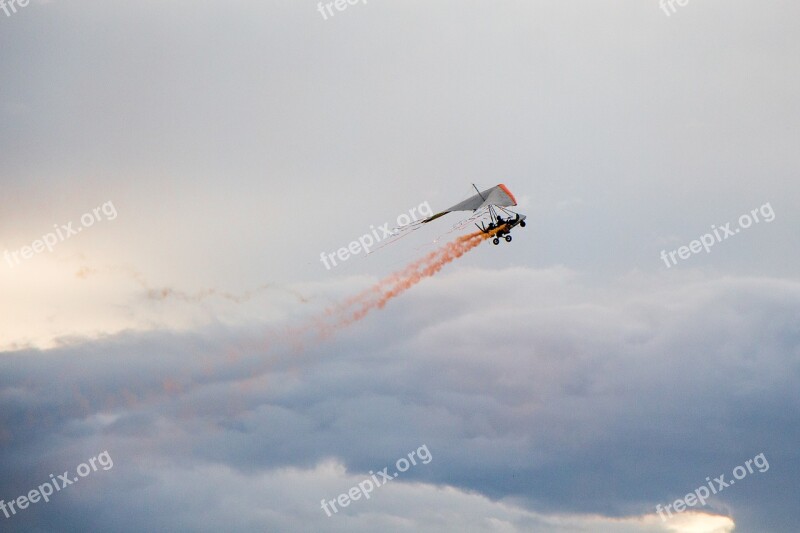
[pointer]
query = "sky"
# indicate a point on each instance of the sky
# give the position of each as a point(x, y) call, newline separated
point(172, 174)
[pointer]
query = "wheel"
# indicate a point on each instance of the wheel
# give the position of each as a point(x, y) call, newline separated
point(522, 224)
point(508, 238)
point(495, 241)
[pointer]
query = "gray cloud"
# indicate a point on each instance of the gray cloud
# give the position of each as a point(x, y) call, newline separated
point(564, 398)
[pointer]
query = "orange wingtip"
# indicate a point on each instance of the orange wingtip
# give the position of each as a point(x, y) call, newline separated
point(508, 193)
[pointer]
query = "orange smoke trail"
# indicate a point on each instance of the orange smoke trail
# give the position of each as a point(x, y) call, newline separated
point(324, 325)
point(392, 286)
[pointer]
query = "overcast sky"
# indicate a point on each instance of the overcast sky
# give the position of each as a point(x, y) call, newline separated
point(569, 381)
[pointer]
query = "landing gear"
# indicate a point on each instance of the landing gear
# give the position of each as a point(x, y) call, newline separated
point(495, 241)
point(508, 238)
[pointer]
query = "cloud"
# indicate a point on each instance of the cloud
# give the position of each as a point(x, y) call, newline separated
point(534, 391)
point(210, 498)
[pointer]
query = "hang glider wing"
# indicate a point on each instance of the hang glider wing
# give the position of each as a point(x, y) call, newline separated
point(499, 195)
